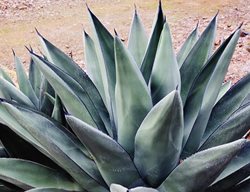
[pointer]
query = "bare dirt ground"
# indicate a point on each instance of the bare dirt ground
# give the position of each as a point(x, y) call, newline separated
point(62, 22)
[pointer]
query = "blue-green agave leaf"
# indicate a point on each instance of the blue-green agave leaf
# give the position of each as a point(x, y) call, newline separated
point(239, 161)
point(196, 58)
point(24, 83)
point(27, 174)
point(76, 100)
point(209, 162)
point(223, 90)
point(231, 180)
point(235, 127)
point(158, 142)
point(138, 40)
point(210, 95)
point(132, 97)
point(65, 149)
point(17, 147)
point(112, 160)
point(195, 97)
point(187, 46)
point(149, 57)
point(4, 75)
point(58, 112)
point(67, 65)
point(165, 74)
point(92, 65)
point(228, 104)
point(104, 43)
point(10, 92)
point(35, 78)
point(118, 188)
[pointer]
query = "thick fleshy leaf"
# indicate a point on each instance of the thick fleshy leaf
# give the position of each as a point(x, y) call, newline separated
point(158, 142)
point(10, 92)
point(35, 78)
point(62, 145)
point(58, 112)
point(18, 147)
point(24, 83)
point(224, 88)
point(187, 46)
point(228, 104)
point(149, 57)
point(231, 180)
point(235, 127)
point(165, 74)
point(119, 188)
point(92, 65)
point(4, 75)
point(210, 95)
point(196, 95)
point(138, 40)
point(104, 43)
point(27, 174)
point(196, 58)
point(132, 97)
point(76, 100)
point(46, 105)
point(239, 161)
point(94, 103)
point(209, 162)
point(112, 160)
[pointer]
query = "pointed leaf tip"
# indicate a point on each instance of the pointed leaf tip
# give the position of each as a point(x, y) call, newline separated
point(13, 52)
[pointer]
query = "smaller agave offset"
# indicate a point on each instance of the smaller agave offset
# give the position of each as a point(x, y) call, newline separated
point(142, 119)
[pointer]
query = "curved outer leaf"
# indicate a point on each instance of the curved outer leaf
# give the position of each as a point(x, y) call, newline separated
point(230, 181)
point(63, 146)
point(118, 188)
point(104, 43)
point(35, 77)
point(232, 129)
point(228, 104)
point(24, 83)
point(210, 162)
point(238, 162)
point(187, 46)
point(137, 42)
point(223, 90)
point(149, 57)
point(27, 174)
point(112, 160)
point(4, 75)
point(10, 92)
point(197, 58)
point(196, 95)
point(92, 64)
point(17, 147)
point(75, 99)
point(210, 95)
point(129, 85)
point(165, 74)
point(46, 104)
point(66, 64)
point(158, 142)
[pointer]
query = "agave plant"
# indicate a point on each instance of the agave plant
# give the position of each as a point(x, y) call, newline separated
point(141, 119)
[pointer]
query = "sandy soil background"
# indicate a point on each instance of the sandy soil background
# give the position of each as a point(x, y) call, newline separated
point(62, 22)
